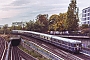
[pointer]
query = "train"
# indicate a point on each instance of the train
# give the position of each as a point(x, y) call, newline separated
point(71, 45)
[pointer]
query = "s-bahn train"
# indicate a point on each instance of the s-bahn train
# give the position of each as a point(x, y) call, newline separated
point(65, 43)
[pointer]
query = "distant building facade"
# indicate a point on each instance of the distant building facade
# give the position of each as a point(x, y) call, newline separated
point(1, 26)
point(19, 24)
point(85, 16)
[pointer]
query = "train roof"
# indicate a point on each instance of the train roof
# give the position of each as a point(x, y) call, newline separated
point(53, 36)
point(15, 38)
point(38, 33)
point(66, 39)
point(32, 32)
point(45, 34)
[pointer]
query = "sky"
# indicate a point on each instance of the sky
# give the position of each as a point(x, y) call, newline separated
point(25, 10)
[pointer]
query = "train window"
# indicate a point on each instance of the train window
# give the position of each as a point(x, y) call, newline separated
point(69, 44)
point(48, 38)
point(56, 40)
point(72, 45)
point(53, 39)
point(79, 45)
point(44, 37)
point(59, 41)
point(65, 43)
point(41, 36)
point(62, 42)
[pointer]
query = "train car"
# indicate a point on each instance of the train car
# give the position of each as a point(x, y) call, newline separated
point(14, 32)
point(68, 44)
point(65, 43)
point(46, 37)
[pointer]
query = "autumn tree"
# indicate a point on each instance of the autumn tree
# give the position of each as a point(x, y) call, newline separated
point(72, 16)
point(57, 22)
point(53, 21)
point(62, 21)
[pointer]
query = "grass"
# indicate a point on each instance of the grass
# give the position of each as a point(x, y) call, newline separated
point(33, 53)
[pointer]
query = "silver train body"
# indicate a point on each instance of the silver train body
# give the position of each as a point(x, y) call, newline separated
point(65, 43)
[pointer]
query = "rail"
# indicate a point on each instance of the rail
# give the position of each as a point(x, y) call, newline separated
point(8, 49)
point(43, 51)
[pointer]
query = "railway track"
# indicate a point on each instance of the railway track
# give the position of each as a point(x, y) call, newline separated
point(2, 48)
point(58, 51)
point(83, 56)
point(17, 54)
point(54, 49)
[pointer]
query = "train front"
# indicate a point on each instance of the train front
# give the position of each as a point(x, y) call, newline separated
point(78, 47)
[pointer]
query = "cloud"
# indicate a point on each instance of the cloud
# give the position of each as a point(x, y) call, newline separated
point(9, 13)
point(18, 10)
point(20, 2)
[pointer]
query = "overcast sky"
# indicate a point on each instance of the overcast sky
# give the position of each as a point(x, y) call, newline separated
point(25, 10)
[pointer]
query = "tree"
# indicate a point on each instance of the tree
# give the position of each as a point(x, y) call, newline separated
point(5, 28)
point(53, 20)
point(30, 25)
point(57, 22)
point(43, 19)
point(72, 17)
point(38, 26)
point(19, 27)
point(62, 21)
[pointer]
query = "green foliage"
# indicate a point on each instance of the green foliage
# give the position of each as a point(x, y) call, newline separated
point(5, 28)
point(38, 26)
point(33, 53)
point(72, 17)
point(43, 20)
point(16, 28)
point(30, 25)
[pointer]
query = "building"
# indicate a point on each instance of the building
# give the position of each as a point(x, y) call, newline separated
point(85, 16)
point(19, 24)
point(1, 26)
